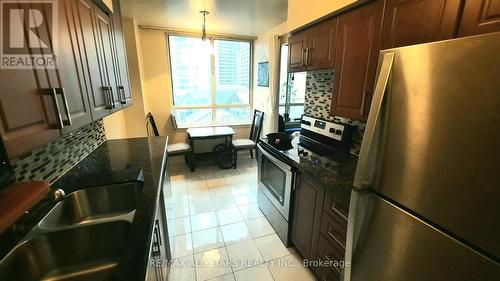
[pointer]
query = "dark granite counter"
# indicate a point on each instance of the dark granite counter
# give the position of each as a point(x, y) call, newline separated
point(115, 161)
point(338, 176)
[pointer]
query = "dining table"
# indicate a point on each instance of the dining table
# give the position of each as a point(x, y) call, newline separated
point(206, 133)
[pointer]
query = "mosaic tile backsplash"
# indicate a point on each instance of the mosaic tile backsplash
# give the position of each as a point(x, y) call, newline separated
point(52, 160)
point(318, 99)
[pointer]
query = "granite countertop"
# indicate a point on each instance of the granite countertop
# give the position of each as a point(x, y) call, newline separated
point(338, 177)
point(114, 161)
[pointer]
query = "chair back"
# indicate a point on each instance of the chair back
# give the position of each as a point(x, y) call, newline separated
point(151, 125)
point(258, 119)
point(281, 123)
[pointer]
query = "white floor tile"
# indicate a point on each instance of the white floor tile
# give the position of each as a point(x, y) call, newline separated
point(220, 191)
point(179, 226)
point(227, 277)
point(259, 227)
point(260, 273)
point(181, 245)
point(203, 221)
point(228, 216)
point(223, 202)
point(211, 264)
point(272, 248)
point(289, 268)
point(250, 211)
point(207, 239)
point(236, 232)
point(182, 269)
point(215, 182)
point(244, 254)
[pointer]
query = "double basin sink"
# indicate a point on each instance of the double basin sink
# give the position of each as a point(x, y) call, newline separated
point(82, 238)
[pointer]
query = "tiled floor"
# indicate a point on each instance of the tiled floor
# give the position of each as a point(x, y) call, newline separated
point(217, 231)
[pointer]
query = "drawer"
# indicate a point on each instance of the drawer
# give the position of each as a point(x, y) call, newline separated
point(331, 206)
point(325, 274)
point(334, 228)
point(332, 252)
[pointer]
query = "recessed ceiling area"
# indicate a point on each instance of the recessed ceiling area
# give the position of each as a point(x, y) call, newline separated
point(240, 17)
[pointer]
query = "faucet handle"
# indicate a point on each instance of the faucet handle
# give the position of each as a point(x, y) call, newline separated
point(59, 195)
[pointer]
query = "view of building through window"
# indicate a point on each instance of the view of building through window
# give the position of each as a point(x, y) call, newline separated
point(210, 85)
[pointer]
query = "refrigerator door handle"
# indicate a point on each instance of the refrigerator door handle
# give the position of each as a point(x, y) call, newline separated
point(364, 169)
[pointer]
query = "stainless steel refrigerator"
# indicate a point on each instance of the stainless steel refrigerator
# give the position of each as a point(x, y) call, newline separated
point(426, 202)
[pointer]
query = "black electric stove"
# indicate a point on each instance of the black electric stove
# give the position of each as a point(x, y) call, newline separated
point(320, 143)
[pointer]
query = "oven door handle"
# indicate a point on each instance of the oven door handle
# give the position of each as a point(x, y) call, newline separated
point(277, 162)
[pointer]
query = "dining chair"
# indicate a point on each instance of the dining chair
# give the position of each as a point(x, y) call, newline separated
point(250, 143)
point(181, 148)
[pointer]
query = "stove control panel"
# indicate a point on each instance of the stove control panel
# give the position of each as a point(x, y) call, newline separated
point(325, 128)
point(316, 159)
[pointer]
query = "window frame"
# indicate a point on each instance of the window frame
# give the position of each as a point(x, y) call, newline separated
point(213, 106)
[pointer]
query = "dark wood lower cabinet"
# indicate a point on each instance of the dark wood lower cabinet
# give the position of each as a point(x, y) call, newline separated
point(308, 205)
point(318, 234)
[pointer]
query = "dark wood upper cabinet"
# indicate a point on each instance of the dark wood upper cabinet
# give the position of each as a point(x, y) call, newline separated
point(308, 204)
point(320, 52)
point(95, 78)
point(28, 117)
point(123, 79)
point(68, 76)
point(296, 52)
point(358, 45)
point(409, 22)
point(39, 105)
point(313, 48)
point(479, 16)
point(105, 40)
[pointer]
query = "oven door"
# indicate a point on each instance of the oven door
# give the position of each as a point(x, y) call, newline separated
point(275, 181)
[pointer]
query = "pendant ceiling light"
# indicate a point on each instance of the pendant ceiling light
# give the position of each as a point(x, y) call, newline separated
point(206, 41)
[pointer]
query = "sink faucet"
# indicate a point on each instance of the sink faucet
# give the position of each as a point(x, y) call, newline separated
point(59, 195)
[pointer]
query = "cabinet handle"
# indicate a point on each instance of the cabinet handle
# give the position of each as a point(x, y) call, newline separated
point(307, 56)
point(157, 226)
point(121, 94)
point(304, 58)
point(108, 96)
point(53, 92)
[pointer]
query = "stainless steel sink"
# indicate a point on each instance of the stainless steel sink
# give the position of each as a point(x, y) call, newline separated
point(89, 252)
point(91, 205)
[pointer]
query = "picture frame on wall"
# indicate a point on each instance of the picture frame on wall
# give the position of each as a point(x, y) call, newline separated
point(263, 74)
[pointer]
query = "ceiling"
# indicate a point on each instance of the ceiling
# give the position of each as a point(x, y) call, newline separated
point(239, 17)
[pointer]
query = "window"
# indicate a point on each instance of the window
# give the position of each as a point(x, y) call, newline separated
point(292, 90)
point(210, 80)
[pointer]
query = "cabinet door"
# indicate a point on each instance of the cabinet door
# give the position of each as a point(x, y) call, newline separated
point(479, 16)
point(106, 41)
point(123, 80)
point(28, 118)
point(89, 51)
point(320, 52)
point(408, 22)
point(308, 205)
point(69, 73)
point(296, 52)
point(358, 45)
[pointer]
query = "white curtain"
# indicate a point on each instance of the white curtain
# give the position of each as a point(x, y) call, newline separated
point(274, 82)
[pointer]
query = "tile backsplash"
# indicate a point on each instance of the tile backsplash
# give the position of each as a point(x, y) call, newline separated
point(52, 160)
point(318, 99)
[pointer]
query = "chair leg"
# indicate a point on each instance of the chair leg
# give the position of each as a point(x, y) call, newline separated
point(251, 153)
point(190, 161)
point(186, 160)
point(235, 158)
